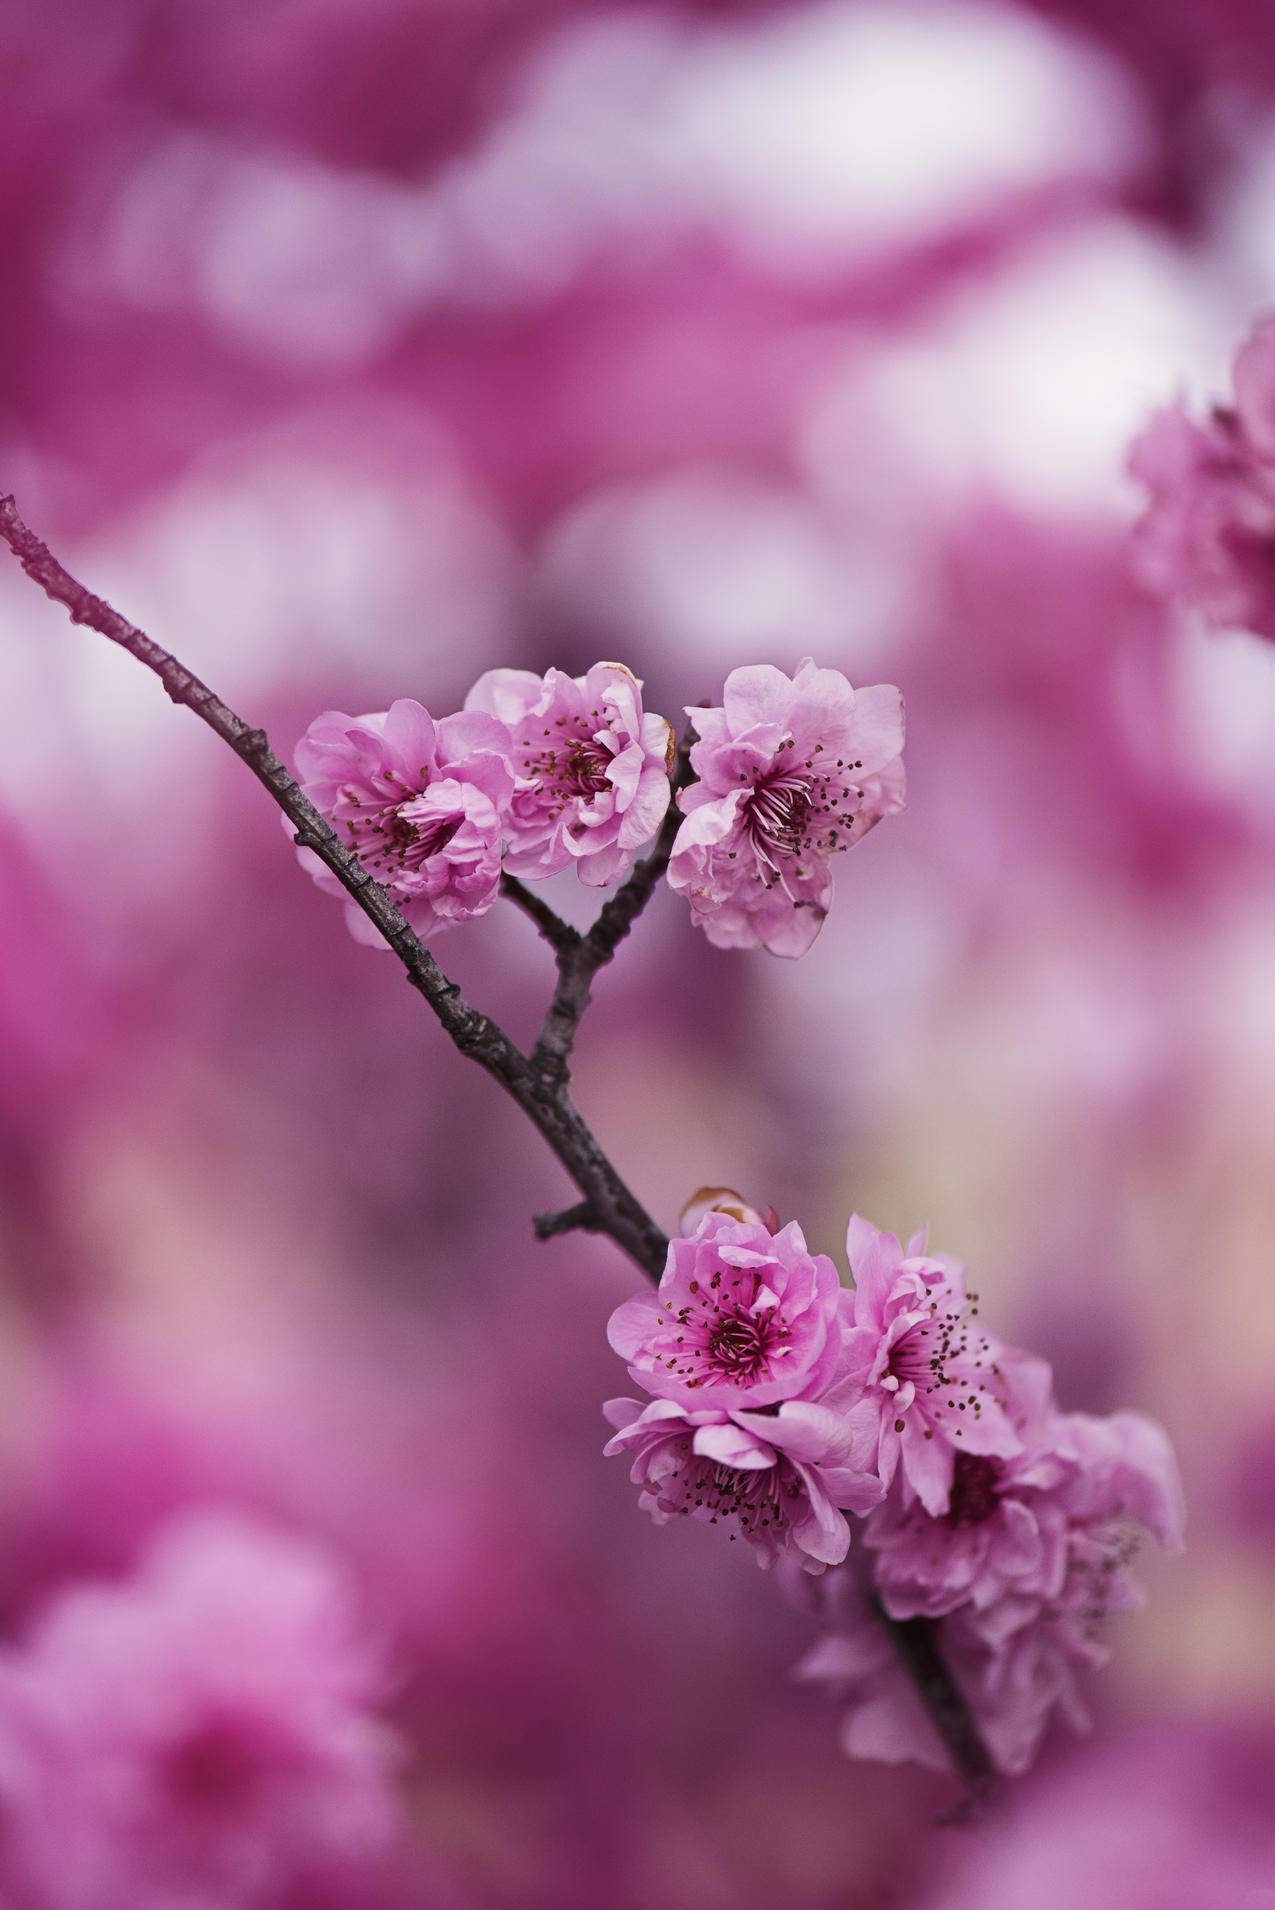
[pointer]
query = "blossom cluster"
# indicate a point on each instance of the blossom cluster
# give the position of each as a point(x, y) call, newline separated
point(204, 1733)
point(1207, 537)
point(780, 1402)
point(538, 774)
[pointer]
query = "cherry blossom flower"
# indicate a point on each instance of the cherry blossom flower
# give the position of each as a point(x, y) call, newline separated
point(932, 1374)
point(593, 769)
point(792, 770)
point(422, 803)
point(741, 1319)
point(204, 1734)
point(1207, 537)
point(785, 1477)
point(1005, 1528)
point(1032, 1620)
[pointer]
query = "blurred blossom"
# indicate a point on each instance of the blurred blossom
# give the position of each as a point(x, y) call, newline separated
point(203, 1735)
point(1174, 1819)
point(1207, 537)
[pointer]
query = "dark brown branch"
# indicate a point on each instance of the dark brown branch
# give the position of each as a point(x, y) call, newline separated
point(538, 1084)
point(578, 1219)
point(549, 1107)
point(560, 935)
point(916, 1642)
point(580, 961)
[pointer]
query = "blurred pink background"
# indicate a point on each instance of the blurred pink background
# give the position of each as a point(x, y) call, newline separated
point(354, 349)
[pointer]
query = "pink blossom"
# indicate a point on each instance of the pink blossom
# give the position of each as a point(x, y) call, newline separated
point(1174, 1818)
point(741, 1319)
point(593, 769)
point(1207, 536)
point(1005, 1529)
point(930, 1372)
point(422, 803)
point(792, 770)
point(781, 1475)
point(202, 1735)
point(1016, 1646)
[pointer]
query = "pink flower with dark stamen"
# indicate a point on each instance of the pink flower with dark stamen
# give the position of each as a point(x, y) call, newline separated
point(421, 803)
point(593, 769)
point(1006, 1525)
point(784, 1478)
point(792, 770)
point(1018, 1612)
point(742, 1318)
point(930, 1371)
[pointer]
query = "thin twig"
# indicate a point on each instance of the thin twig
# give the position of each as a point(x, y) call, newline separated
point(579, 962)
point(578, 1219)
point(539, 1084)
point(560, 935)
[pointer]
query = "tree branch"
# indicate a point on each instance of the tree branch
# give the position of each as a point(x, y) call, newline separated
point(916, 1643)
point(578, 1219)
point(538, 1084)
point(579, 961)
point(560, 935)
point(620, 1214)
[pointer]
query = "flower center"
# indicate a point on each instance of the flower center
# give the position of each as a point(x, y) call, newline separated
point(945, 1354)
point(975, 1489)
point(213, 1767)
point(717, 1339)
point(778, 813)
point(759, 1500)
point(583, 767)
point(802, 808)
point(739, 1345)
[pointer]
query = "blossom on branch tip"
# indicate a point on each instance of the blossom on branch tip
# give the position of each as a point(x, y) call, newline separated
point(421, 803)
point(741, 1319)
point(593, 769)
point(1207, 536)
point(791, 771)
point(785, 1477)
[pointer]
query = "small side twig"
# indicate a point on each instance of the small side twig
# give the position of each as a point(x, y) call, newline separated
point(560, 935)
point(582, 1218)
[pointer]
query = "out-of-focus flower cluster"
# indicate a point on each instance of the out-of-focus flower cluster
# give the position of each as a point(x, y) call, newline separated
point(206, 1733)
point(782, 1402)
point(1207, 537)
point(539, 773)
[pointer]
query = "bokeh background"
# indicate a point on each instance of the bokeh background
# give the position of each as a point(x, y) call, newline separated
point(356, 346)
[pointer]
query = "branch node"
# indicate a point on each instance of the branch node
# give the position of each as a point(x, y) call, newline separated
point(583, 1217)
